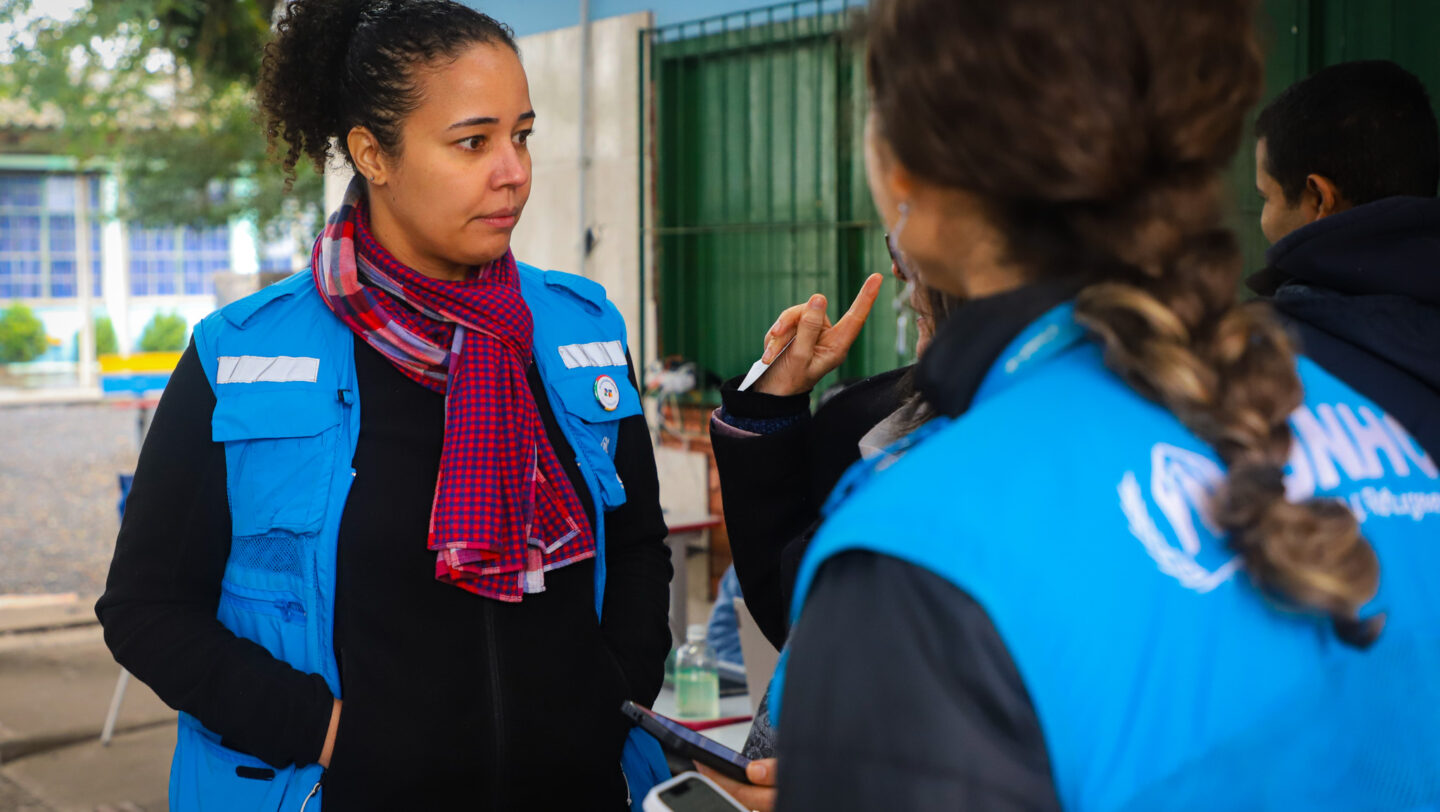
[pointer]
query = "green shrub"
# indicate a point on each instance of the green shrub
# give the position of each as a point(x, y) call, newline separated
point(22, 335)
point(166, 332)
point(105, 341)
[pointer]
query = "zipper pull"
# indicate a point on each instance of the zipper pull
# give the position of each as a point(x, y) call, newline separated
point(313, 790)
point(290, 609)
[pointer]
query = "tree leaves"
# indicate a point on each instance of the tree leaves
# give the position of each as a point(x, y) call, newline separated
point(163, 91)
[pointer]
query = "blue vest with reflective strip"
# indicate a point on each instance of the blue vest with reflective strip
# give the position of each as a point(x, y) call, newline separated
point(288, 411)
point(1076, 514)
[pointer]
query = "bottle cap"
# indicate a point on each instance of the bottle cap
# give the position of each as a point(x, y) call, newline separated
point(695, 632)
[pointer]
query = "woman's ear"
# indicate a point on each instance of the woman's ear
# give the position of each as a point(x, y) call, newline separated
point(1325, 195)
point(366, 154)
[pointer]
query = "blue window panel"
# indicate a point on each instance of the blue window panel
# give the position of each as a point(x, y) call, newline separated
point(62, 234)
point(152, 277)
point(62, 278)
point(21, 191)
point(139, 276)
point(97, 257)
point(94, 193)
point(195, 275)
point(164, 276)
point(25, 278)
point(60, 193)
point(19, 233)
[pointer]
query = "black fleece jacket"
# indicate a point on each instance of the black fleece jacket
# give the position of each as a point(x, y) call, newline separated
point(1361, 289)
point(451, 700)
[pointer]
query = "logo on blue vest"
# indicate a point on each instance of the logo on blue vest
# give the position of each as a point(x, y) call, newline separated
point(1338, 452)
point(1183, 485)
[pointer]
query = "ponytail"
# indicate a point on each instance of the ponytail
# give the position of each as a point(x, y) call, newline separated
point(338, 64)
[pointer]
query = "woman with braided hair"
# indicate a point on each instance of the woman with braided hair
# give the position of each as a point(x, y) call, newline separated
point(1141, 558)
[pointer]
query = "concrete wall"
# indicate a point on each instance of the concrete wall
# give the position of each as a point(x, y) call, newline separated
point(550, 234)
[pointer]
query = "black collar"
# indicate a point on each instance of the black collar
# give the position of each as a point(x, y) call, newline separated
point(974, 335)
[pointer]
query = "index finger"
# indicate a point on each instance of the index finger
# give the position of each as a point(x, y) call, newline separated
point(849, 325)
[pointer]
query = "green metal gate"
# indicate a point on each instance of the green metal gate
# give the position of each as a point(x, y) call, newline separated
point(759, 194)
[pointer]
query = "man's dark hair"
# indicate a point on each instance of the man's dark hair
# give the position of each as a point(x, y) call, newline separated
point(1367, 126)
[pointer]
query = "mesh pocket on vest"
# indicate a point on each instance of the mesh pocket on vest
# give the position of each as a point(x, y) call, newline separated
point(273, 552)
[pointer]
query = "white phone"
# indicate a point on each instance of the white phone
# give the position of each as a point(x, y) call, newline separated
point(690, 792)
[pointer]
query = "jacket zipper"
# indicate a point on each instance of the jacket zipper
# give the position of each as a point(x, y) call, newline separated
point(496, 704)
point(288, 609)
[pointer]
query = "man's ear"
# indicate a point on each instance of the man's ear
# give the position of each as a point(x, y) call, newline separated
point(1324, 196)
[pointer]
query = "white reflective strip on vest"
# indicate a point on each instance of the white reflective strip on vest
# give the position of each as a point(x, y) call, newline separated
point(594, 354)
point(263, 369)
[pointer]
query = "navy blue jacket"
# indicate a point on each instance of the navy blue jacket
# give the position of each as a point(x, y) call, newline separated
point(1361, 289)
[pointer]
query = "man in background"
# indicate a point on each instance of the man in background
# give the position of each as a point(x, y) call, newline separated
point(1347, 162)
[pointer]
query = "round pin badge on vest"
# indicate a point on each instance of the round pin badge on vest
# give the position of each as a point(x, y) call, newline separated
point(607, 392)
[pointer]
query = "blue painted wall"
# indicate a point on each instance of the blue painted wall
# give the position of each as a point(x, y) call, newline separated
point(535, 16)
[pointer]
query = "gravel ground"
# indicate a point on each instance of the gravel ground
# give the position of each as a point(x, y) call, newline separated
point(58, 489)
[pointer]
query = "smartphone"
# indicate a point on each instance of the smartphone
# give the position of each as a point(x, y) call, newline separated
point(690, 792)
point(687, 742)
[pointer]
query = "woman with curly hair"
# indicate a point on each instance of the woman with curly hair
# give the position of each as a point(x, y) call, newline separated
point(395, 539)
point(1140, 558)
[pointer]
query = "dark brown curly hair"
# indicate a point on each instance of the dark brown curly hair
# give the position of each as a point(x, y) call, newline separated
point(1094, 132)
point(338, 64)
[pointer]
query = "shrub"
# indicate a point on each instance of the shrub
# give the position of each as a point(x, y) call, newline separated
point(166, 332)
point(105, 341)
point(22, 335)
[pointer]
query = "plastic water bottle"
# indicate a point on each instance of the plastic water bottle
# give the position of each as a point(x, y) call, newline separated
point(697, 677)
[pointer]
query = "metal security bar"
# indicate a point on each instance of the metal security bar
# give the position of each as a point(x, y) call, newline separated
point(758, 198)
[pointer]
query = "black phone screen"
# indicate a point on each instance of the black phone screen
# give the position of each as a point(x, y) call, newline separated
point(688, 743)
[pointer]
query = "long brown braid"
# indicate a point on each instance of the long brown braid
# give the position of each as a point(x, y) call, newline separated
point(1095, 131)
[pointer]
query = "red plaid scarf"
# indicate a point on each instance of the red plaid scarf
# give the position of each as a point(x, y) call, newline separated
point(504, 511)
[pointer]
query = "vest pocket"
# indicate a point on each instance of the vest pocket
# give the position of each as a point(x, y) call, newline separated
point(595, 429)
point(210, 777)
point(280, 458)
point(273, 618)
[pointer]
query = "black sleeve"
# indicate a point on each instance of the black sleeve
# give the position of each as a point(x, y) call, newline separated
point(774, 485)
point(764, 484)
point(900, 694)
point(636, 622)
point(160, 599)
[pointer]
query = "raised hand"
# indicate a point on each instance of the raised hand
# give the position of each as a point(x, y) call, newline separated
point(818, 346)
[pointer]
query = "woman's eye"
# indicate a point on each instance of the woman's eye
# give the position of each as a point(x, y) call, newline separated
point(473, 142)
point(523, 137)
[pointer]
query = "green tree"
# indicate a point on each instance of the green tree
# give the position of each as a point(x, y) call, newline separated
point(22, 335)
point(162, 91)
point(166, 332)
point(105, 341)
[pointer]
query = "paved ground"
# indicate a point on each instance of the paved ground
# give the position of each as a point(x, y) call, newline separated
point(58, 467)
point(55, 689)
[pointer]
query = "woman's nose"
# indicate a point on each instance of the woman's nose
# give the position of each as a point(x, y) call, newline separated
point(510, 169)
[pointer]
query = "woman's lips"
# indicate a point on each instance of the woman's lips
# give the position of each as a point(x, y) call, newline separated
point(501, 219)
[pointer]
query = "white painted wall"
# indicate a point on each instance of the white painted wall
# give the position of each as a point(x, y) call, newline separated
point(550, 234)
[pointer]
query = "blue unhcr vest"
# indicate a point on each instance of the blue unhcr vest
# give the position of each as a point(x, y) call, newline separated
point(1075, 512)
point(287, 409)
